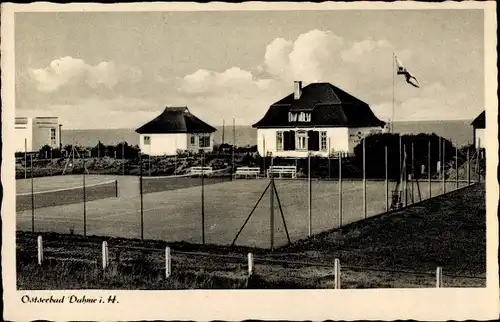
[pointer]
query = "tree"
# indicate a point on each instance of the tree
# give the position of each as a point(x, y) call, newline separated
point(375, 153)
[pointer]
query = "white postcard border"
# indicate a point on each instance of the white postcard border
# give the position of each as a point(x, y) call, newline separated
point(383, 304)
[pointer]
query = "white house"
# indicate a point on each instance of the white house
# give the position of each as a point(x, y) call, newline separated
point(319, 119)
point(176, 129)
point(34, 133)
point(479, 126)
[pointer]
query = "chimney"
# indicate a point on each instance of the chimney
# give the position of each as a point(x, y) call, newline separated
point(297, 90)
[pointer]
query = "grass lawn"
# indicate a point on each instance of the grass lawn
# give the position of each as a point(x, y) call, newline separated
point(447, 231)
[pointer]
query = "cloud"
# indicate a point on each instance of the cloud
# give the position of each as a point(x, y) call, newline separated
point(231, 81)
point(98, 112)
point(424, 104)
point(362, 68)
point(276, 58)
point(69, 71)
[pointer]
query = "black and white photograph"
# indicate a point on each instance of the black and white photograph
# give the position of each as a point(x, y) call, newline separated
point(320, 148)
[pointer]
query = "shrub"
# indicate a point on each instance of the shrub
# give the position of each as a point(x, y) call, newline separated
point(375, 153)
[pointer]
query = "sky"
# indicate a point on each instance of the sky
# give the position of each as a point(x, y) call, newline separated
point(98, 70)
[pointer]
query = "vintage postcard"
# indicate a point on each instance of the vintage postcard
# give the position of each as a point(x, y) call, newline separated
point(291, 161)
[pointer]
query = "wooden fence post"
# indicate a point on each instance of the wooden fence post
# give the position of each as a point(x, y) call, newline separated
point(40, 250)
point(105, 258)
point(168, 262)
point(250, 264)
point(337, 273)
point(439, 277)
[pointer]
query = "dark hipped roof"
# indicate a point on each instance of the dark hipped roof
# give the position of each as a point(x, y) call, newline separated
point(329, 106)
point(175, 120)
point(480, 121)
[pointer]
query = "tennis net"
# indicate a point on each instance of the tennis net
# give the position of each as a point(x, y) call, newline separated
point(65, 196)
point(166, 183)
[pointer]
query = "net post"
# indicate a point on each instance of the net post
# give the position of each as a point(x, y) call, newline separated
point(336, 265)
point(168, 262)
point(116, 188)
point(386, 181)
point(40, 250)
point(32, 197)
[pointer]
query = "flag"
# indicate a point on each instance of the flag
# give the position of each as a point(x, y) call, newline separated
point(410, 79)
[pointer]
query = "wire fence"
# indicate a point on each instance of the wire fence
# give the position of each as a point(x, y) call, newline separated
point(314, 195)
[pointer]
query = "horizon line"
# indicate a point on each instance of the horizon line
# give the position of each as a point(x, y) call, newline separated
point(250, 125)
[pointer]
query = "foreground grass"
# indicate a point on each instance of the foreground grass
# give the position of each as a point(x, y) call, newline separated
point(447, 231)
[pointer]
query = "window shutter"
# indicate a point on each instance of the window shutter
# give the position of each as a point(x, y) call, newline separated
point(313, 140)
point(286, 140)
point(292, 140)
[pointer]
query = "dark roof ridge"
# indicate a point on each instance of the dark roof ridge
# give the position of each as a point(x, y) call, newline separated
point(330, 105)
point(175, 120)
point(480, 120)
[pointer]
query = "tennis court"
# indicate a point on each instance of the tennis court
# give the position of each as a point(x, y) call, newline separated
point(175, 214)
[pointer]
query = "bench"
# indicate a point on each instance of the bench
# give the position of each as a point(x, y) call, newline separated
point(201, 170)
point(281, 170)
point(247, 171)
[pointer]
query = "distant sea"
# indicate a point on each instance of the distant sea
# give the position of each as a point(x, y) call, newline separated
point(459, 132)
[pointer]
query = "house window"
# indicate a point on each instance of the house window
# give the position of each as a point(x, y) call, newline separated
point(52, 137)
point(301, 144)
point(193, 140)
point(204, 141)
point(147, 140)
point(279, 141)
point(323, 141)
